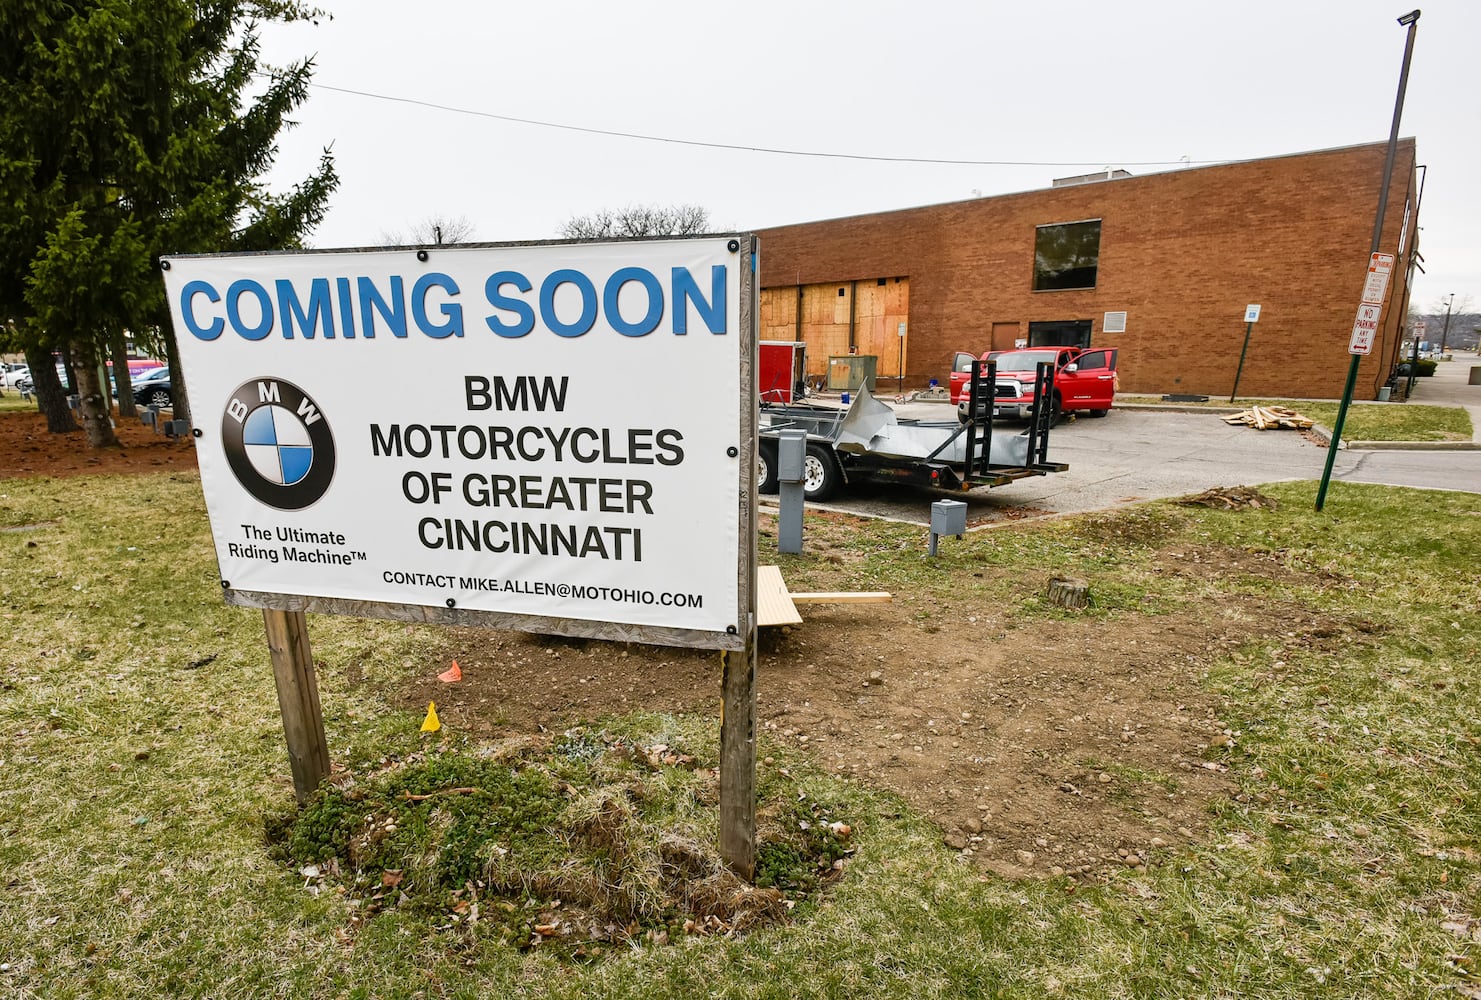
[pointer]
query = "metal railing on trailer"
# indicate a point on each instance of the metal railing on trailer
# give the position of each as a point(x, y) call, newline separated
point(966, 444)
point(978, 422)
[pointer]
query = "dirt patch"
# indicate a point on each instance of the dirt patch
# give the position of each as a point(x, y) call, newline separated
point(1038, 747)
point(1056, 748)
point(27, 449)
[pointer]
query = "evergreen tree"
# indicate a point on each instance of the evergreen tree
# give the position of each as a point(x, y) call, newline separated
point(126, 133)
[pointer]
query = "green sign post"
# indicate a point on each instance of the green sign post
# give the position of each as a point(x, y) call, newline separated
point(1409, 20)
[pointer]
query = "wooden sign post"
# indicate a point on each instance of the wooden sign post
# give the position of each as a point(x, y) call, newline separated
point(738, 760)
point(298, 699)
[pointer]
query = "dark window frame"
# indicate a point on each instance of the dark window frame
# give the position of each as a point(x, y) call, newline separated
point(1062, 279)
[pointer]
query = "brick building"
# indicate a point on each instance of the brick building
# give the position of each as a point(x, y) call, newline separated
point(1160, 266)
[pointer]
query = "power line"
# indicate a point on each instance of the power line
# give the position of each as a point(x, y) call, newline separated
point(776, 151)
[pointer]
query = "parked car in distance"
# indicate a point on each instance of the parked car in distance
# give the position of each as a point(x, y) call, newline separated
point(155, 392)
point(1085, 381)
point(13, 374)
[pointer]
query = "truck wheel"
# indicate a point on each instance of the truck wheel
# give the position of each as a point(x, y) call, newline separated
point(1056, 409)
point(820, 474)
point(766, 468)
point(1096, 413)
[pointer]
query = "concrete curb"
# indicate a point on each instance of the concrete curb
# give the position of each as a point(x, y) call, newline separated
point(1411, 445)
point(1325, 433)
point(1222, 411)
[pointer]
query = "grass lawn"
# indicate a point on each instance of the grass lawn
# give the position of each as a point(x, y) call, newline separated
point(142, 766)
point(12, 402)
point(1365, 421)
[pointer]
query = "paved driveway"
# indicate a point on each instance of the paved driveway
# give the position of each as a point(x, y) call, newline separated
point(1134, 455)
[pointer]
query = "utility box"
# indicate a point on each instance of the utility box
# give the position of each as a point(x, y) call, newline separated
point(847, 372)
point(948, 517)
point(791, 455)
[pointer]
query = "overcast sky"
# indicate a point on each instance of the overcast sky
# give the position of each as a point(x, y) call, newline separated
point(1028, 92)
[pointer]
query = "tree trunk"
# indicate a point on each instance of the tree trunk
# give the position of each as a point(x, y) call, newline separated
point(1069, 592)
point(179, 396)
point(123, 381)
point(92, 398)
point(51, 395)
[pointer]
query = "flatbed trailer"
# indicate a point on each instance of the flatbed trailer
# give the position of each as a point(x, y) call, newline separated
point(868, 443)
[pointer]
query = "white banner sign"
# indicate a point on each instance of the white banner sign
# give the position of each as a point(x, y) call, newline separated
point(549, 430)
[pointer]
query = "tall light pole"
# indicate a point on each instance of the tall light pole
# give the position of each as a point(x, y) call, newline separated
point(1445, 332)
point(1410, 21)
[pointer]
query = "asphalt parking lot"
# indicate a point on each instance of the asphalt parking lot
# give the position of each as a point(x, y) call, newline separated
point(1144, 454)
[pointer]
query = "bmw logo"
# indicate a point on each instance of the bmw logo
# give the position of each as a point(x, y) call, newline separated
point(278, 443)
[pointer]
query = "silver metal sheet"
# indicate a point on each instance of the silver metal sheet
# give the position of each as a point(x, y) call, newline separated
point(871, 427)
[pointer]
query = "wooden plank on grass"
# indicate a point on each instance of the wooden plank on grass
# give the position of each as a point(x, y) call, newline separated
point(773, 604)
point(844, 597)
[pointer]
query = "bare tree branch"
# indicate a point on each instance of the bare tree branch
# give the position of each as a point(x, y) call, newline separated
point(432, 230)
point(638, 220)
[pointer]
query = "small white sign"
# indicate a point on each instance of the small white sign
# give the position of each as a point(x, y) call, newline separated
point(1252, 313)
point(1365, 329)
point(1380, 266)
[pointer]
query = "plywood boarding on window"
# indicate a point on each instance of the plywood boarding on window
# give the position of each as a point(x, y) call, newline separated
point(1005, 336)
point(779, 313)
point(878, 312)
point(825, 324)
point(874, 311)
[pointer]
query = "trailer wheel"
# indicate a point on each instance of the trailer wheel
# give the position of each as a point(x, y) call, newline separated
point(766, 467)
point(820, 473)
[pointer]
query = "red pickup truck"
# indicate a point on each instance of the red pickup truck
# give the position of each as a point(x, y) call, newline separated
point(1084, 380)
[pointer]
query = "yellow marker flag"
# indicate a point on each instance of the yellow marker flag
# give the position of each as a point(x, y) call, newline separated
point(430, 723)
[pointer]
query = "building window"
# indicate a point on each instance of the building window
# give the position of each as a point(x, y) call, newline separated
point(1066, 255)
point(1060, 333)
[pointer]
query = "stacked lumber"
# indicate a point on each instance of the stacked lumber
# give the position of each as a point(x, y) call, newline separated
point(1263, 418)
point(1229, 498)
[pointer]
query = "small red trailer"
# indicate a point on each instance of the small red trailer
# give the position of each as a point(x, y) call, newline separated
point(781, 372)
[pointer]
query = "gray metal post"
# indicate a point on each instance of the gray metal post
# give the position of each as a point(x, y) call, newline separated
point(791, 454)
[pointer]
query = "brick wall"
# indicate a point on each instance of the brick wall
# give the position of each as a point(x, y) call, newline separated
point(1182, 253)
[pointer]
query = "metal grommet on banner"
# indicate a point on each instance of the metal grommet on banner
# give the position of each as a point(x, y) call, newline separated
point(164, 265)
point(733, 246)
point(197, 432)
point(731, 629)
point(732, 451)
point(451, 603)
point(422, 256)
point(225, 584)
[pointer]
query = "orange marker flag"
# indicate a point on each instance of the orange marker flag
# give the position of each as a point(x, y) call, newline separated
point(451, 674)
point(431, 724)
